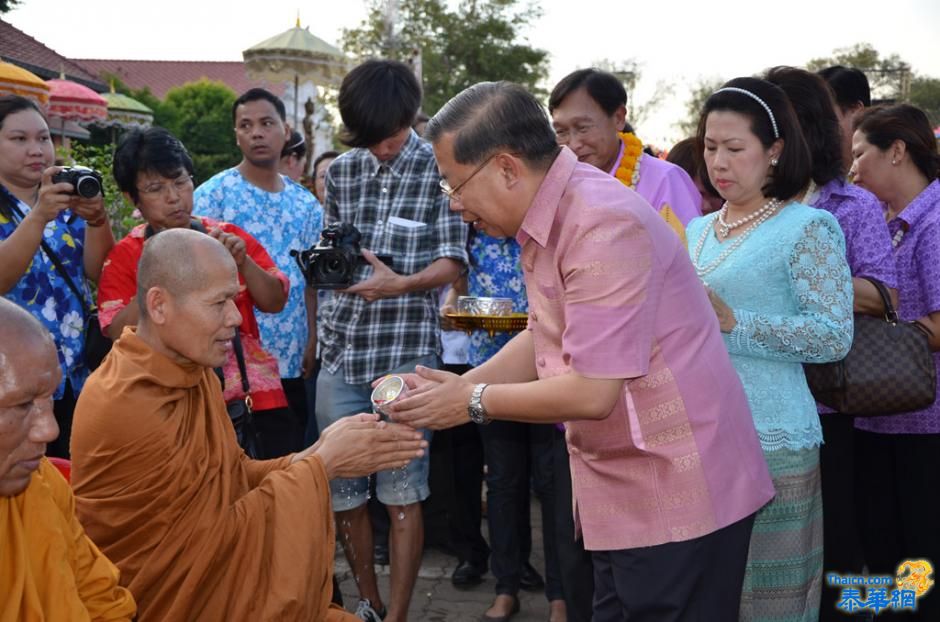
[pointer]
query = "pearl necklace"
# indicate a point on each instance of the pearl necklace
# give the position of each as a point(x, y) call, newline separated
point(738, 241)
point(724, 227)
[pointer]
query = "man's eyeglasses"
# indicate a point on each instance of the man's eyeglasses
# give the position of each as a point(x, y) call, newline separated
point(452, 193)
point(180, 184)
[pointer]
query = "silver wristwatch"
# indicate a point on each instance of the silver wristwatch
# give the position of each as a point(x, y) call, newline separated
point(475, 409)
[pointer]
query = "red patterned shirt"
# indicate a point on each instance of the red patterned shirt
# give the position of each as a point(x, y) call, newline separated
point(119, 284)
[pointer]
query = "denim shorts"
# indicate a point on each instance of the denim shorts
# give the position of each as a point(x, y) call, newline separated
point(337, 399)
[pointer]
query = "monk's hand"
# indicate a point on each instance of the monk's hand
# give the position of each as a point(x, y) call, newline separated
point(233, 244)
point(726, 321)
point(439, 402)
point(384, 282)
point(359, 445)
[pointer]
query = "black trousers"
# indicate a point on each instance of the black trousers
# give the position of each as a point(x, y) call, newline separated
point(842, 542)
point(64, 410)
point(517, 455)
point(697, 580)
point(467, 510)
point(574, 563)
point(898, 489)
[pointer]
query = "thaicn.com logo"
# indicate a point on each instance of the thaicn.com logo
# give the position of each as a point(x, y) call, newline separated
point(876, 593)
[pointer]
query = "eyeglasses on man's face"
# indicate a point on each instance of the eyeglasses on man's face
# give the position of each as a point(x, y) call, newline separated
point(453, 193)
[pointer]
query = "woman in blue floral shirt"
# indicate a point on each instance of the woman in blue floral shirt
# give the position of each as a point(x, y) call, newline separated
point(513, 451)
point(33, 209)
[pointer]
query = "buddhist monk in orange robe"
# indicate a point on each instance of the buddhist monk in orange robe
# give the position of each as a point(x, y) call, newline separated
point(200, 531)
point(49, 569)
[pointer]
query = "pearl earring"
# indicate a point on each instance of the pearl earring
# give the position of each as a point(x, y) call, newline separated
point(893, 161)
point(773, 162)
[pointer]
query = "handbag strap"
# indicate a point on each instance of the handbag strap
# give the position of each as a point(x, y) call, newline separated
point(56, 262)
point(240, 359)
point(891, 314)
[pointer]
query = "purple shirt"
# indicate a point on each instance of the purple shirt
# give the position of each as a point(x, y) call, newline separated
point(668, 188)
point(868, 248)
point(613, 294)
point(917, 257)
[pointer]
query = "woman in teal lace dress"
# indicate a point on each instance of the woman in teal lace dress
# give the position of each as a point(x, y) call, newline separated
point(782, 292)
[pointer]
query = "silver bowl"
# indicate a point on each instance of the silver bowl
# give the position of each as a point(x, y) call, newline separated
point(473, 305)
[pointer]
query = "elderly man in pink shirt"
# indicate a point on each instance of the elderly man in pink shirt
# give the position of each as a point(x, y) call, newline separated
point(666, 465)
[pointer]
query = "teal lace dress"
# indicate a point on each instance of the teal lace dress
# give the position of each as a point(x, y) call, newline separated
point(790, 288)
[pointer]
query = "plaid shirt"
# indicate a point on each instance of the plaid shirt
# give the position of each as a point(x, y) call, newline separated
point(400, 210)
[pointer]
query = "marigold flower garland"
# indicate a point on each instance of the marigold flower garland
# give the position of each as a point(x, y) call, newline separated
point(628, 170)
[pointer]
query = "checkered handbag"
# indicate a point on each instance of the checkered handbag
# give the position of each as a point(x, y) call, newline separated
point(888, 370)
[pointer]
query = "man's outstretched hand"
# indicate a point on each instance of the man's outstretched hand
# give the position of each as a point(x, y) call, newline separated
point(436, 400)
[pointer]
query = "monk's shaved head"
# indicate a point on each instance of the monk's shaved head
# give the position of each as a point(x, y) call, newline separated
point(29, 376)
point(178, 261)
point(15, 321)
point(19, 329)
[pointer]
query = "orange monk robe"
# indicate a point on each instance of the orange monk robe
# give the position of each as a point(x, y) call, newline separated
point(199, 531)
point(49, 569)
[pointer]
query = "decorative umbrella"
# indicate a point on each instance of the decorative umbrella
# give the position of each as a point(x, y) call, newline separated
point(125, 112)
point(295, 54)
point(17, 81)
point(71, 101)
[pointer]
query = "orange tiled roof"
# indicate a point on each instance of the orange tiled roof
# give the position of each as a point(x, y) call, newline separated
point(19, 48)
point(162, 75)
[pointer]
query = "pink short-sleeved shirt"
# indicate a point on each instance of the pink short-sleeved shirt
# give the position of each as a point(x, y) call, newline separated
point(613, 294)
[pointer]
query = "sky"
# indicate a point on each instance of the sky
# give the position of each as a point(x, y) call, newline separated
point(673, 41)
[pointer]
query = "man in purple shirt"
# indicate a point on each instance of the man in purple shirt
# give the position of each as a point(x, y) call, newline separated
point(589, 109)
point(667, 468)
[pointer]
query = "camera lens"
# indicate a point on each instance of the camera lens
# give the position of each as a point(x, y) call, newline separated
point(87, 186)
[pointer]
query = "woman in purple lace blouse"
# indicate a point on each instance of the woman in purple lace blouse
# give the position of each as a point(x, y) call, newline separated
point(895, 157)
point(869, 254)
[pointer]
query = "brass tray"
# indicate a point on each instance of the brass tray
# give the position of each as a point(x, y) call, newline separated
point(490, 323)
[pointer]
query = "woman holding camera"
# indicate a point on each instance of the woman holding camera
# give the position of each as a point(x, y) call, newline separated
point(74, 230)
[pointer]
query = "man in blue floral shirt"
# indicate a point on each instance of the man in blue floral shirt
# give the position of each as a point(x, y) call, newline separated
point(283, 216)
point(388, 187)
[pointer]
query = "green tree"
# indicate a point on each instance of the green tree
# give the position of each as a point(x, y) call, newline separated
point(630, 72)
point(480, 40)
point(8, 5)
point(886, 74)
point(925, 93)
point(200, 115)
point(693, 106)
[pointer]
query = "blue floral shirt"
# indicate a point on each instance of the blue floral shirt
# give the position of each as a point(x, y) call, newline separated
point(281, 221)
point(45, 294)
point(495, 272)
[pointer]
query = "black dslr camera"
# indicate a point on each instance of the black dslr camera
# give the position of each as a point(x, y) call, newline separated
point(85, 182)
point(331, 263)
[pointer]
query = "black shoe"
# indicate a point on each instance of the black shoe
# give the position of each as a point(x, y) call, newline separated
point(467, 574)
point(531, 580)
point(381, 554)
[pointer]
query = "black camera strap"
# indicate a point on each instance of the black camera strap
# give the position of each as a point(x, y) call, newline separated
point(54, 258)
